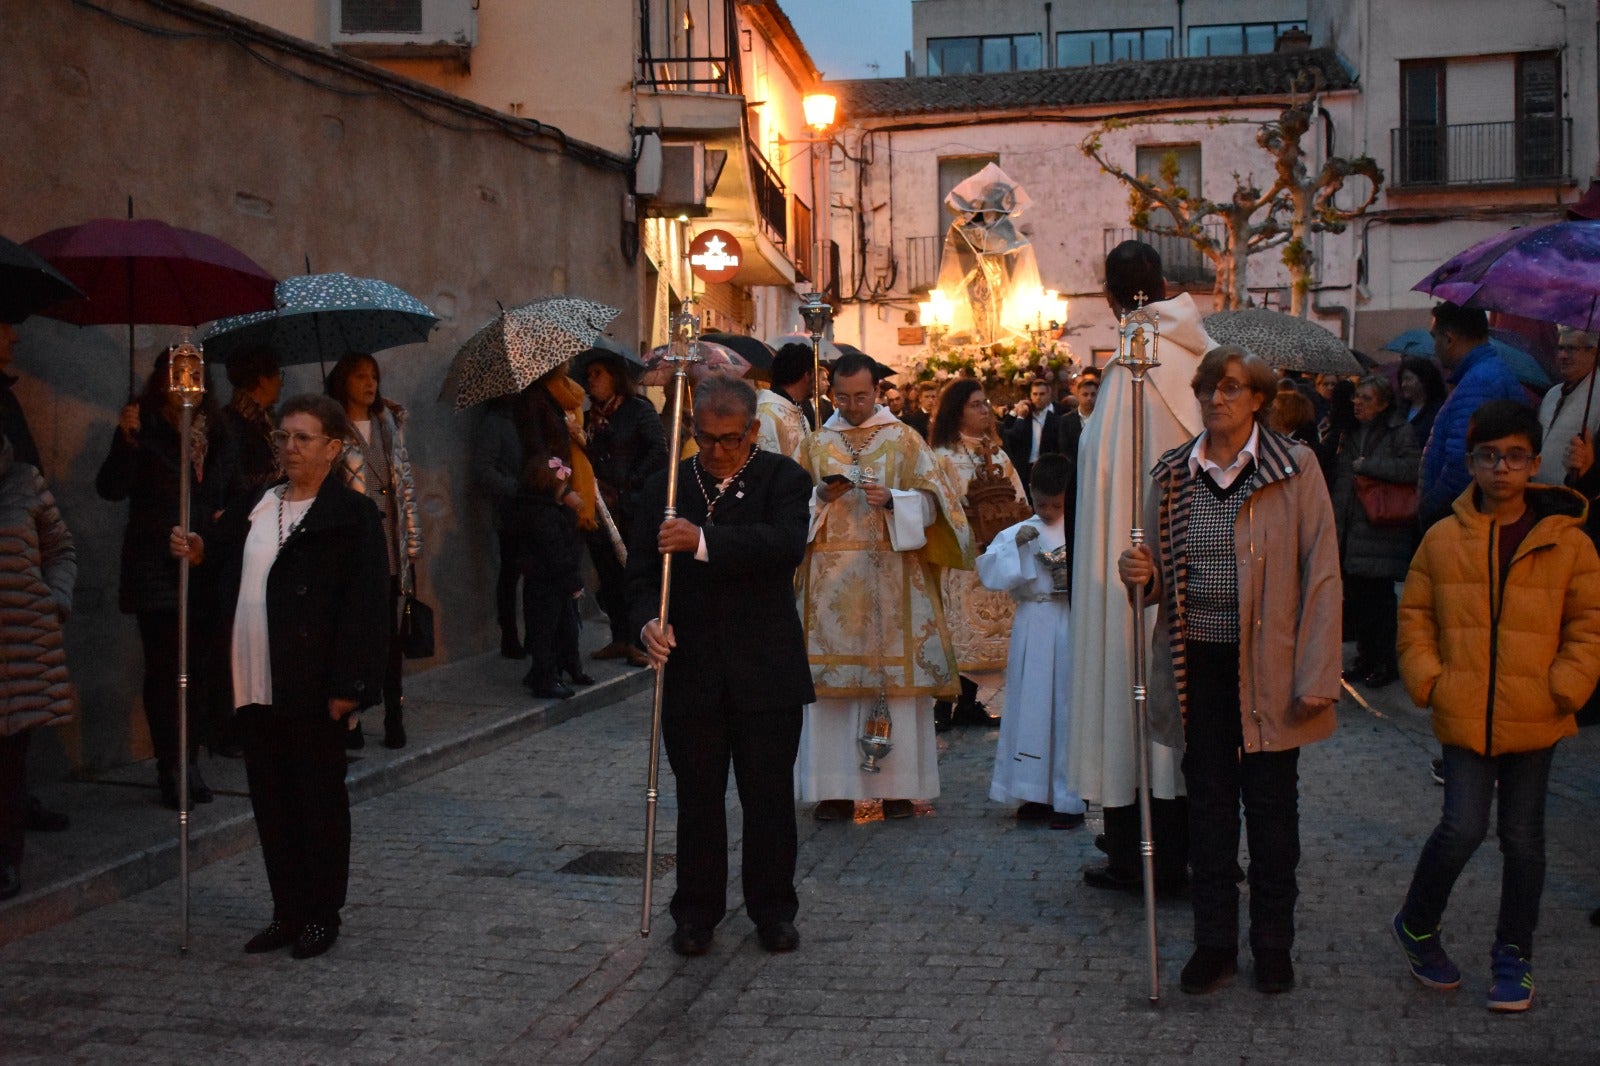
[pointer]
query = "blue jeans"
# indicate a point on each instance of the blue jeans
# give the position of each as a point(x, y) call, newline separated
point(1469, 787)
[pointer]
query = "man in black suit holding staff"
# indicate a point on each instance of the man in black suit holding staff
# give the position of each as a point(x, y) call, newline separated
point(734, 653)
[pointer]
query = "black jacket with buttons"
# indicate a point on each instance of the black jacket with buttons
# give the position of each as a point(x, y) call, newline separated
point(328, 601)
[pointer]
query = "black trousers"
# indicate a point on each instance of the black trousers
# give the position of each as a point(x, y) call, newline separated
point(612, 590)
point(1220, 776)
point(14, 795)
point(296, 769)
point(505, 589)
point(158, 633)
point(1169, 830)
point(1374, 618)
point(701, 744)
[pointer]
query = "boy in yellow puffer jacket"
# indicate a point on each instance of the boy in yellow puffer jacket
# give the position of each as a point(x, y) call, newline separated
point(1500, 636)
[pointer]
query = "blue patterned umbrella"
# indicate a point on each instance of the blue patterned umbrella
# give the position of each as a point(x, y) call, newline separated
point(321, 317)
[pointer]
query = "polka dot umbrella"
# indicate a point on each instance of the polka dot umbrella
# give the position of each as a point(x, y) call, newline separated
point(520, 345)
point(322, 317)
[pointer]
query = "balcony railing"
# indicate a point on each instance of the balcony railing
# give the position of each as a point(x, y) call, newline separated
point(1181, 262)
point(689, 46)
point(1532, 151)
point(772, 199)
point(922, 262)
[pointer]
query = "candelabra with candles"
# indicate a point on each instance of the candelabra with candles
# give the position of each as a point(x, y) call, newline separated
point(1049, 315)
point(933, 314)
point(816, 312)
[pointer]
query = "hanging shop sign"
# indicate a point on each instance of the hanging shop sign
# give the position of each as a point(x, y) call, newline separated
point(714, 256)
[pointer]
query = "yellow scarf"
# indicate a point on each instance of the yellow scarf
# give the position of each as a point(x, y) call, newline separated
point(569, 395)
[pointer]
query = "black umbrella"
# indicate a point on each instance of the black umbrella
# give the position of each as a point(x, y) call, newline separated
point(606, 348)
point(755, 352)
point(28, 283)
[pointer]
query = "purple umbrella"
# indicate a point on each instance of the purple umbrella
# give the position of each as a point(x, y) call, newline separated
point(1549, 273)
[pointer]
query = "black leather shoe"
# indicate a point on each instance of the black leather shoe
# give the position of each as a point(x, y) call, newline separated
point(10, 879)
point(1100, 843)
point(1064, 820)
point(778, 937)
point(550, 689)
point(354, 738)
point(40, 819)
point(578, 677)
point(274, 936)
point(1108, 876)
point(1274, 971)
point(975, 713)
point(315, 938)
point(692, 940)
point(1379, 676)
point(1207, 970)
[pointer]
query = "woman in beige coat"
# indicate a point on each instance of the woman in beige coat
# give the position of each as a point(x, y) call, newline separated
point(37, 570)
point(1246, 650)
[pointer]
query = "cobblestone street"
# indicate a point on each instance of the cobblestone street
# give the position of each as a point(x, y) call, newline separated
point(959, 936)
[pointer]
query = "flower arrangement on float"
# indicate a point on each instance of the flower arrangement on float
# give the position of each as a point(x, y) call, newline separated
point(1004, 367)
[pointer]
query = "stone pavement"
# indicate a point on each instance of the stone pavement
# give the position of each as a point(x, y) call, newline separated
point(958, 936)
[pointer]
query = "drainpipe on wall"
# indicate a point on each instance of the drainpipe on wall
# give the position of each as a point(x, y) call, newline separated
point(1049, 38)
point(1180, 46)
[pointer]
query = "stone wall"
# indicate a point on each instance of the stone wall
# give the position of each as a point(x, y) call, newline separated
point(290, 154)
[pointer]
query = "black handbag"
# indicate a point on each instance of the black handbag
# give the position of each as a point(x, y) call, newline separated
point(416, 628)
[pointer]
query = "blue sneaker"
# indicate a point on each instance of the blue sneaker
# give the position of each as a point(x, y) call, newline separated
point(1425, 955)
point(1510, 979)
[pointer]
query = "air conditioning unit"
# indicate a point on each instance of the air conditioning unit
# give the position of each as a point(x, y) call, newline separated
point(682, 189)
point(405, 23)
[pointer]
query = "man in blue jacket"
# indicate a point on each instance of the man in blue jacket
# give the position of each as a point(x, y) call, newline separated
point(1476, 375)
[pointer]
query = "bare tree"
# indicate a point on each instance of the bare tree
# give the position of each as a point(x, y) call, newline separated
point(1250, 220)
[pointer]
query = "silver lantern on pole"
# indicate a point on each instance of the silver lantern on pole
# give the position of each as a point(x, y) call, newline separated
point(816, 312)
point(1138, 337)
point(186, 379)
point(684, 350)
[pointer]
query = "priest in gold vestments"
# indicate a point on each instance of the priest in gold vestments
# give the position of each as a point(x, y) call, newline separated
point(884, 520)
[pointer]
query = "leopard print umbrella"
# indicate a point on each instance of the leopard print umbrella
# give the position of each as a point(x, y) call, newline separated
point(521, 345)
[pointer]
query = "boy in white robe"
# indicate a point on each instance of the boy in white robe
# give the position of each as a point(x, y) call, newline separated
point(1030, 764)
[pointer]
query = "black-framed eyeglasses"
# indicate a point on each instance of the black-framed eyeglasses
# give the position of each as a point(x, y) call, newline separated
point(1489, 458)
point(1228, 387)
point(727, 441)
point(283, 439)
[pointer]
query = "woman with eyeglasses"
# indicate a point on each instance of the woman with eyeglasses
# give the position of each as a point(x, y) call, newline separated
point(143, 468)
point(1245, 575)
point(302, 575)
point(1373, 558)
point(377, 464)
point(965, 442)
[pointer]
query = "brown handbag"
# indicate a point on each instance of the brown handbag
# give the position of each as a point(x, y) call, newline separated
point(1388, 504)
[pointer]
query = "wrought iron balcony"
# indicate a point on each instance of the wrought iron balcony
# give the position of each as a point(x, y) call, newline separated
point(689, 46)
point(1181, 262)
point(772, 200)
point(1530, 151)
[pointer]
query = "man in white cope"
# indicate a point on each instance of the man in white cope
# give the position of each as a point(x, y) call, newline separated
point(883, 520)
point(1103, 755)
point(780, 410)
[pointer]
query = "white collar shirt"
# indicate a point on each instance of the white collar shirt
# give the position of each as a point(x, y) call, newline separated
point(1198, 460)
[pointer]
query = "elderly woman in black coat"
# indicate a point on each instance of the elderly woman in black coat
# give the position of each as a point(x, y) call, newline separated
point(303, 578)
point(1372, 557)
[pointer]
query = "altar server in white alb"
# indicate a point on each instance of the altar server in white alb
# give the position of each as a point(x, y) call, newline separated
point(1032, 561)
